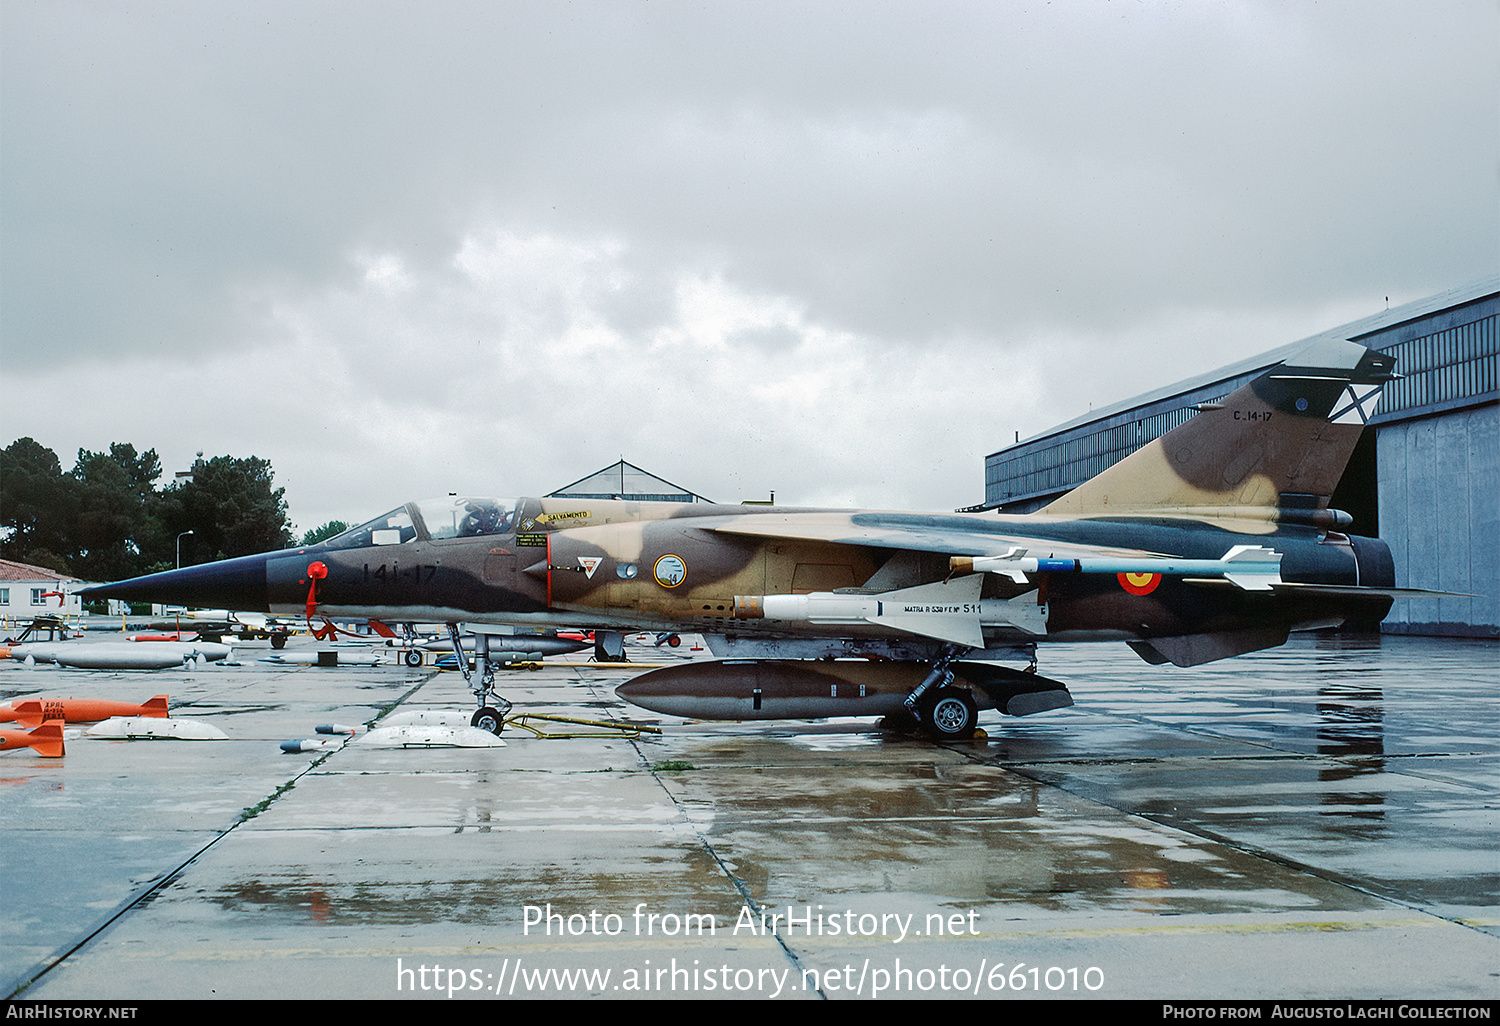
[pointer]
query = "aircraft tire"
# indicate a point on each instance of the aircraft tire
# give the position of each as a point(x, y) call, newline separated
point(949, 714)
point(278, 641)
point(413, 657)
point(488, 719)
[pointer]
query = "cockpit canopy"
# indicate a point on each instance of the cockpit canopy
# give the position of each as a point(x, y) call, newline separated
point(456, 517)
point(391, 528)
point(436, 519)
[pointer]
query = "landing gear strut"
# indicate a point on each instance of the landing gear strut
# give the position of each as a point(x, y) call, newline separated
point(492, 708)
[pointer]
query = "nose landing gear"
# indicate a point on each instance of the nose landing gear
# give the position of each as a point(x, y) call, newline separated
point(490, 715)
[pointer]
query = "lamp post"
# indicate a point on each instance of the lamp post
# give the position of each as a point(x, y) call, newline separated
point(179, 547)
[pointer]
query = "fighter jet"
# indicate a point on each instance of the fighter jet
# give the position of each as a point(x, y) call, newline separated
point(1214, 540)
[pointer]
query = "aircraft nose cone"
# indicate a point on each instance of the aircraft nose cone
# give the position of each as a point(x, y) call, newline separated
point(238, 584)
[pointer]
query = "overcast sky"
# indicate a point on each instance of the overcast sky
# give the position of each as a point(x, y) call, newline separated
point(838, 250)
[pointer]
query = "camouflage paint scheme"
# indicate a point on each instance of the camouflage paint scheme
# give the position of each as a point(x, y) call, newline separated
point(1253, 472)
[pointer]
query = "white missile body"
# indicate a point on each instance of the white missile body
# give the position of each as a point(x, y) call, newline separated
point(1251, 567)
point(949, 610)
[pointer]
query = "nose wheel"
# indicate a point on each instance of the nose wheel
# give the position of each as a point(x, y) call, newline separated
point(489, 718)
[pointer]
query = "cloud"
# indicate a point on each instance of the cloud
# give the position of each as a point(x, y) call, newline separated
point(838, 252)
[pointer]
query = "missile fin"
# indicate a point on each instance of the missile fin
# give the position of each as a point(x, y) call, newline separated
point(946, 610)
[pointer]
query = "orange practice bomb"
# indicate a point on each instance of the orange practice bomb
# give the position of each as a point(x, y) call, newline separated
point(46, 739)
point(34, 711)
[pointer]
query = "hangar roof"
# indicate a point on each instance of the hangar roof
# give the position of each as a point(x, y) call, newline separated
point(1445, 346)
point(624, 480)
point(1357, 330)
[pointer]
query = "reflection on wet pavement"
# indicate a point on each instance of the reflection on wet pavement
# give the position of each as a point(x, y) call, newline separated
point(1339, 786)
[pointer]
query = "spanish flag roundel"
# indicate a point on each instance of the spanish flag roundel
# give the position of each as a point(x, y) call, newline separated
point(1139, 584)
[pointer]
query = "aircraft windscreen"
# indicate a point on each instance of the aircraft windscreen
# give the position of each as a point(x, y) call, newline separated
point(391, 528)
point(466, 517)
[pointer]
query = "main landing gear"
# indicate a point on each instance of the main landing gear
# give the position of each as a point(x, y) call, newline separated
point(490, 715)
point(949, 714)
point(945, 712)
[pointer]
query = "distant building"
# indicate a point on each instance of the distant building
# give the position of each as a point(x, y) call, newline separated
point(1425, 478)
point(626, 481)
point(28, 591)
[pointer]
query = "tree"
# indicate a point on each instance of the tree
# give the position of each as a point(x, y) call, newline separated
point(38, 506)
point(105, 519)
point(116, 495)
point(230, 507)
point(325, 532)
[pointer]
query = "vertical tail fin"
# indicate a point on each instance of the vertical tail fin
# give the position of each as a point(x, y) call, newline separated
point(1282, 441)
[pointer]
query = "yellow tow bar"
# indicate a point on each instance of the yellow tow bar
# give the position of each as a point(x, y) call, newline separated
point(622, 729)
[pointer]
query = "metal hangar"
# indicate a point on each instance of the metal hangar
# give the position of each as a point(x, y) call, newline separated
point(624, 480)
point(1426, 476)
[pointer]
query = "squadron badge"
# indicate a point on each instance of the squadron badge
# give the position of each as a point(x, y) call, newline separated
point(670, 570)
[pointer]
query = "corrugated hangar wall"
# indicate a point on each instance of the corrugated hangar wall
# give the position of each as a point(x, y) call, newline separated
point(1437, 467)
point(1427, 475)
point(1439, 482)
